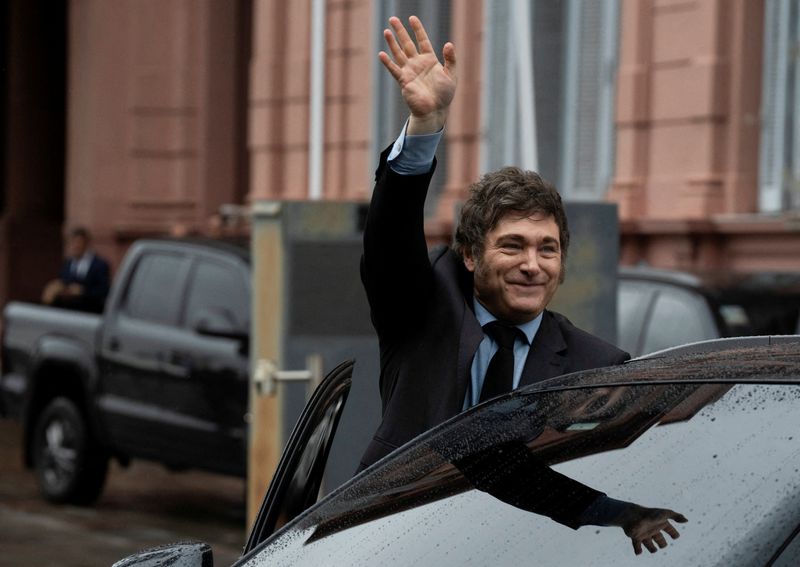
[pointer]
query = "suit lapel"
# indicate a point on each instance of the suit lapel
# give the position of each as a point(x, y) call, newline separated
point(545, 358)
point(471, 337)
point(471, 334)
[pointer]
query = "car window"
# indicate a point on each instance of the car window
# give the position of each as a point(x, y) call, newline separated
point(154, 292)
point(510, 481)
point(678, 317)
point(633, 302)
point(217, 294)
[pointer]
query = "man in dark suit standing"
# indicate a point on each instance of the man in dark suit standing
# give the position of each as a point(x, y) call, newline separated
point(457, 326)
point(84, 279)
point(463, 324)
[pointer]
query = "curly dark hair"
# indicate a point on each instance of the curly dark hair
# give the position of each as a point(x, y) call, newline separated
point(509, 190)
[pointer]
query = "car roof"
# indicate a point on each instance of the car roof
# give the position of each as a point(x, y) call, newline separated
point(239, 247)
point(766, 359)
point(388, 487)
point(719, 282)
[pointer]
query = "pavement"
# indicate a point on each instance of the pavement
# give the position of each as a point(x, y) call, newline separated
point(142, 506)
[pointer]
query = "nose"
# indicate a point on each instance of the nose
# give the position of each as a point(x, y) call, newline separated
point(530, 261)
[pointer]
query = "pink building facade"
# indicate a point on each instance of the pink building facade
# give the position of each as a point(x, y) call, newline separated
point(145, 117)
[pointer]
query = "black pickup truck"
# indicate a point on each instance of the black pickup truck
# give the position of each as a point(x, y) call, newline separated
point(162, 374)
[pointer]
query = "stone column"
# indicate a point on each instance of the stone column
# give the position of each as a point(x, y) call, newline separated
point(153, 128)
point(633, 107)
point(687, 125)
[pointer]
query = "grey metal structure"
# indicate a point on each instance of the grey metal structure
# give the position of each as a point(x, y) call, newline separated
point(326, 312)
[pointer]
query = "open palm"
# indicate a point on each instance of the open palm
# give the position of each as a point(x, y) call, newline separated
point(427, 86)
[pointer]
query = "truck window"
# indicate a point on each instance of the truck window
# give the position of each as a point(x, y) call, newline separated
point(155, 289)
point(218, 288)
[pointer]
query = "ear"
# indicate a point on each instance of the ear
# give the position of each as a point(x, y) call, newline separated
point(469, 262)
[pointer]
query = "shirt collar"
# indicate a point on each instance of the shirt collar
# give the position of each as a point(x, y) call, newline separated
point(529, 329)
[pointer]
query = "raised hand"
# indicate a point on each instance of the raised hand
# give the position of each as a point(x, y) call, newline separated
point(427, 86)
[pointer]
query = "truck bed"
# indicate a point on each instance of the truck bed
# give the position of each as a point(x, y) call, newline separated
point(26, 327)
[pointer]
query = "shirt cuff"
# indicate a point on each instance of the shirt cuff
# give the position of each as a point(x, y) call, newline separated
point(602, 511)
point(413, 154)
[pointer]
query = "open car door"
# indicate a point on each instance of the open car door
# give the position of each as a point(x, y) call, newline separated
point(297, 480)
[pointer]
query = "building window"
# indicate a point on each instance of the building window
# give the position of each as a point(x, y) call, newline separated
point(779, 160)
point(550, 71)
point(389, 111)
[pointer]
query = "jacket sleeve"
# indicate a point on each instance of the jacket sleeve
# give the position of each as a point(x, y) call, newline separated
point(395, 269)
point(510, 473)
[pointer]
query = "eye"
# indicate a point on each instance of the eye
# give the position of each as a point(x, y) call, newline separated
point(549, 249)
point(510, 246)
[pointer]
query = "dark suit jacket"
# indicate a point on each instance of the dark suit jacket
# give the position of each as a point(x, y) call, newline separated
point(96, 283)
point(421, 307)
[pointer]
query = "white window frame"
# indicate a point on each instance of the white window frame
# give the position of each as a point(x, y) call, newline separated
point(510, 127)
point(779, 165)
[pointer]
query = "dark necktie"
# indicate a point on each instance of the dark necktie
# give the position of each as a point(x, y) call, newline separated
point(500, 372)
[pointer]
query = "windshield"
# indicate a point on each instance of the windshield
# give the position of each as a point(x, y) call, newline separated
point(520, 479)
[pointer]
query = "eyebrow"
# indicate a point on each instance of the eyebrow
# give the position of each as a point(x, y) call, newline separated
point(519, 238)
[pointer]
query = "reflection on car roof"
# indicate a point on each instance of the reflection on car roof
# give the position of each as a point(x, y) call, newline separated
point(770, 363)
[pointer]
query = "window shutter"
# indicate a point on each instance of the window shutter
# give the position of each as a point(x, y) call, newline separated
point(499, 99)
point(589, 90)
point(773, 105)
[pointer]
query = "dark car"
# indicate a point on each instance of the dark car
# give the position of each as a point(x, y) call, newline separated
point(713, 435)
point(162, 374)
point(659, 309)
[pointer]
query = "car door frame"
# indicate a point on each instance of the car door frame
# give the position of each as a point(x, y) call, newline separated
point(329, 397)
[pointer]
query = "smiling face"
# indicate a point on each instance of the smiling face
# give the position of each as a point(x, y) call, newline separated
point(520, 269)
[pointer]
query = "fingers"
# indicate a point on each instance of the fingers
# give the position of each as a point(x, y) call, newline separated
point(394, 47)
point(679, 518)
point(403, 38)
point(672, 532)
point(390, 65)
point(424, 43)
point(449, 56)
point(655, 541)
point(660, 540)
point(402, 46)
point(652, 544)
point(651, 547)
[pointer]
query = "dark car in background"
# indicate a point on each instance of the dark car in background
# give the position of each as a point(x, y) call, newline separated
point(659, 309)
point(709, 431)
point(162, 374)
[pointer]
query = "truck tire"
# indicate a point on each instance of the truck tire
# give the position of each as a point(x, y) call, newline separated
point(69, 466)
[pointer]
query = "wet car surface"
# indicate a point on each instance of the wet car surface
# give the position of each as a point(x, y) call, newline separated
point(713, 436)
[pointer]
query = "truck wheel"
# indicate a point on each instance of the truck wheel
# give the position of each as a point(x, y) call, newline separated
point(69, 466)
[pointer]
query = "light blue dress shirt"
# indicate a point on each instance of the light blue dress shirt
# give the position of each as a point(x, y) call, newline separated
point(488, 347)
point(413, 154)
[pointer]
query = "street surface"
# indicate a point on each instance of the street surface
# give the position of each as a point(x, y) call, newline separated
point(142, 506)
